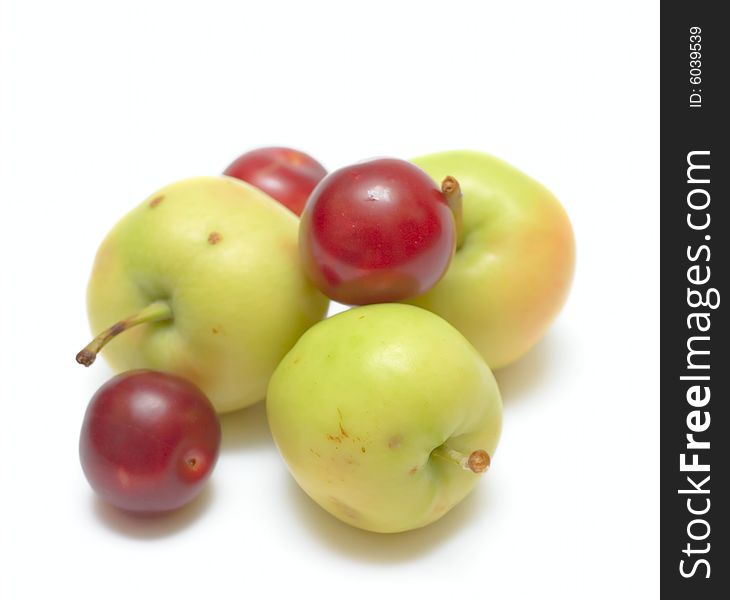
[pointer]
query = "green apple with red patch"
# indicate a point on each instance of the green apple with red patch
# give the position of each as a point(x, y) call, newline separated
point(513, 266)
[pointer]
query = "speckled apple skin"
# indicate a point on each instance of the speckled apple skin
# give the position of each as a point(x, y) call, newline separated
point(225, 256)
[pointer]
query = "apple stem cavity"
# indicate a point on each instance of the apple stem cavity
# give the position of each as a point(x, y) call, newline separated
point(476, 462)
point(451, 190)
point(157, 311)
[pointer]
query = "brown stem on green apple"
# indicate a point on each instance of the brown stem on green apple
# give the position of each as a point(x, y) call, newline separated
point(157, 311)
point(451, 190)
point(476, 462)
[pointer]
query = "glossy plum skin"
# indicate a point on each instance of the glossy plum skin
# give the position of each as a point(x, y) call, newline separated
point(149, 441)
point(376, 231)
point(285, 174)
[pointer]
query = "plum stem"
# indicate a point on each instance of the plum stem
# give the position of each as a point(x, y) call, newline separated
point(476, 462)
point(157, 311)
point(451, 190)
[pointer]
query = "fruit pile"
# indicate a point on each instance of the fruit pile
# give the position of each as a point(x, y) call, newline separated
point(209, 297)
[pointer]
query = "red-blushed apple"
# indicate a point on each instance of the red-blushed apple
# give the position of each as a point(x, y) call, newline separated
point(514, 261)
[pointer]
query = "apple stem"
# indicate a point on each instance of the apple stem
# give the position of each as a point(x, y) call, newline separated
point(451, 190)
point(157, 311)
point(476, 462)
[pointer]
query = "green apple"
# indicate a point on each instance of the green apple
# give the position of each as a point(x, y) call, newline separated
point(204, 280)
point(514, 261)
point(385, 415)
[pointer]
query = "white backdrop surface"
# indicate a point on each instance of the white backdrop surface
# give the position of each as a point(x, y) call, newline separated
point(102, 103)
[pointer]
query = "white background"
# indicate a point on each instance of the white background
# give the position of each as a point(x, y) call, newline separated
point(104, 102)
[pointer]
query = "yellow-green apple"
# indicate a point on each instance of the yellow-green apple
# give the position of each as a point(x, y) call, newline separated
point(204, 280)
point(514, 261)
point(385, 415)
